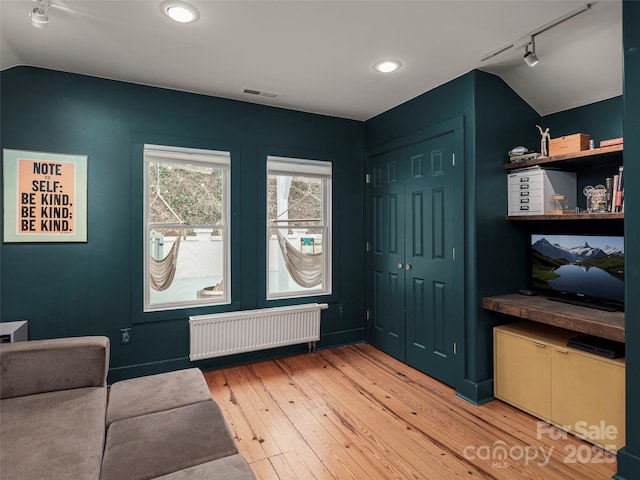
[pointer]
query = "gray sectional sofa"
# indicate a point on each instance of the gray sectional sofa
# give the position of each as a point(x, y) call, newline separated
point(58, 419)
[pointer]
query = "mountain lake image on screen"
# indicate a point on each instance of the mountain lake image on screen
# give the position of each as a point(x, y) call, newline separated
point(585, 267)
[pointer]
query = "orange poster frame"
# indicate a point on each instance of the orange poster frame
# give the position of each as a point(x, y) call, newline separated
point(45, 197)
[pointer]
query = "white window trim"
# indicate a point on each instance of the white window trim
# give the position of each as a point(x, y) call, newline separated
point(310, 168)
point(180, 155)
point(287, 166)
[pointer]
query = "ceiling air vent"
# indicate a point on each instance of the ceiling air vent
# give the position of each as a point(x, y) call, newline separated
point(260, 93)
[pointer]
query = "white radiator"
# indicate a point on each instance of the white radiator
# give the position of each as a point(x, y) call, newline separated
point(229, 333)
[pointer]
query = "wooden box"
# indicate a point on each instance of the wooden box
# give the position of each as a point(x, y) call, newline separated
point(569, 144)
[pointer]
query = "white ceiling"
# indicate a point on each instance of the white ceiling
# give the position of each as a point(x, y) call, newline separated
point(318, 55)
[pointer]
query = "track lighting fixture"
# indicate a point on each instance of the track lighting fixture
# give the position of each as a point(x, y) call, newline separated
point(528, 39)
point(530, 57)
point(39, 16)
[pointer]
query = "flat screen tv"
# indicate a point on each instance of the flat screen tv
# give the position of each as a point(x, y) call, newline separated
point(581, 269)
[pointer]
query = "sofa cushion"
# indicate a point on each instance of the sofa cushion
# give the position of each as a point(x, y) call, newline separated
point(56, 435)
point(155, 393)
point(157, 444)
point(234, 467)
point(57, 364)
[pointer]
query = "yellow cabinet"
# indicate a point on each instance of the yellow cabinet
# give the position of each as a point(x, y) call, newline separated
point(524, 376)
point(588, 397)
point(579, 392)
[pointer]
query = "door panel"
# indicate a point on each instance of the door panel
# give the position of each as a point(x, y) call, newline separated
point(417, 228)
point(418, 307)
point(439, 322)
point(388, 332)
point(438, 233)
point(429, 237)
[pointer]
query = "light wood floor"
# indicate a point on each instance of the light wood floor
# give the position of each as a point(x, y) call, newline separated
point(354, 412)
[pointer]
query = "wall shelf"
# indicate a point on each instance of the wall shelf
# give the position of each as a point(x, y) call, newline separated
point(572, 216)
point(570, 317)
point(597, 154)
point(583, 155)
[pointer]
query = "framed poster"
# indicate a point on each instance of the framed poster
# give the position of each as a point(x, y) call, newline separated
point(45, 197)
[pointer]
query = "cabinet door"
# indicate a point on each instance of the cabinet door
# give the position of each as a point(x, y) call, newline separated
point(588, 397)
point(430, 282)
point(522, 374)
point(388, 302)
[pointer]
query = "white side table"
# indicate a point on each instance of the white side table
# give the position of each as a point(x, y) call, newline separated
point(13, 332)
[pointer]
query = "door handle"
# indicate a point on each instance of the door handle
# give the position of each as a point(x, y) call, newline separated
point(400, 265)
point(407, 267)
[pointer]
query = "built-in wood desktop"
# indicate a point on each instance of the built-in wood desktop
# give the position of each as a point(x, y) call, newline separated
point(570, 317)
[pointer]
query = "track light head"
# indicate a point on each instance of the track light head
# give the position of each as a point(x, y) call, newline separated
point(39, 17)
point(530, 57)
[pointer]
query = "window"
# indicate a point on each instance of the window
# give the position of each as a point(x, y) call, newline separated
point(186, 215)
point(298, 227)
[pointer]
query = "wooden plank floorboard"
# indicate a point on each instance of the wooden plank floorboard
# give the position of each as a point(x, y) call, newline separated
point(353, 416)
point(435, 421)
point(350, 450)
point(514, 425)
point(520, 429)
point(400, 434)
point(240, 428)
point(429, 420)
point(355, 412)
point(291, 400)
point(464, 428)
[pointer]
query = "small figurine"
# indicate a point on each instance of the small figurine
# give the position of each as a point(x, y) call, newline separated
point(543, 141)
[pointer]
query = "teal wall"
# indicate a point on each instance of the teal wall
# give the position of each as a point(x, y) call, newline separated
point(453, 99)
point(96, 287)
point(495, 120)
point(629, 457)
point(503, 121)
point(428, 111)
point(602, 121)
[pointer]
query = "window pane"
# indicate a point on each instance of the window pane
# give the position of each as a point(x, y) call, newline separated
point(298, 227)
point(186, 246)
point(296, 260)
point(188, 194)
point(186, 265)
point(303, 198)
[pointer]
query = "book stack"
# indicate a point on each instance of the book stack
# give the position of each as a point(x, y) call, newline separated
point(523, 157)
point(611, 142)
point(617, 191)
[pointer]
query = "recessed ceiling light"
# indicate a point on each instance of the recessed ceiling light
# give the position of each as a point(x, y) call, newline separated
point(387, 66)
point(179, 11)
